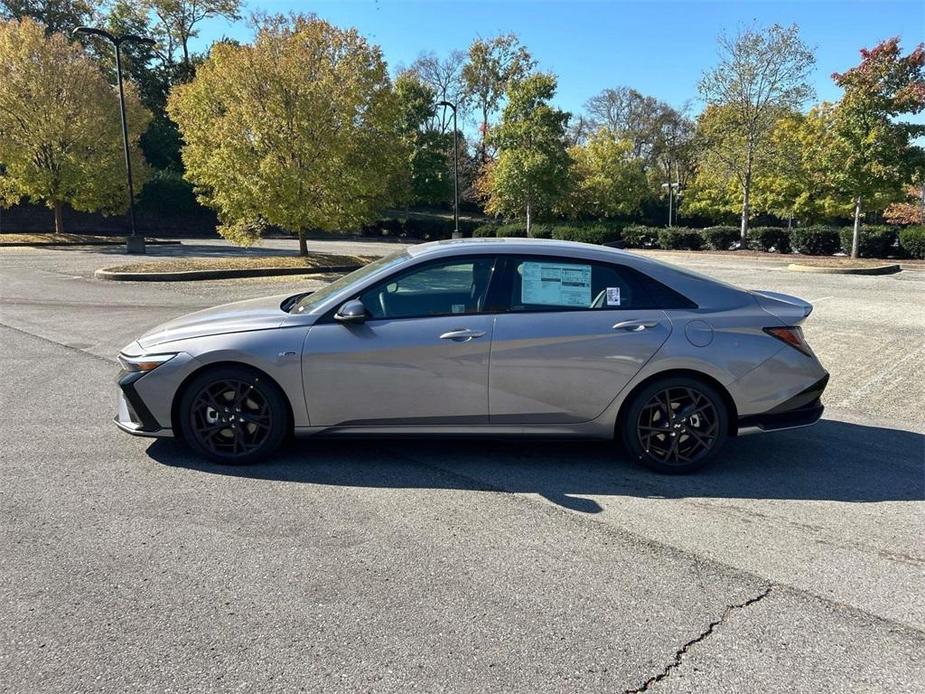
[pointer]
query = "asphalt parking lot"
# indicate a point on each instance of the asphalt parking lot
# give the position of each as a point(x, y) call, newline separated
point(795, 564)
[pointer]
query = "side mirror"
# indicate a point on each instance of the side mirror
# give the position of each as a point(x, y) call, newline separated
point(352, 312)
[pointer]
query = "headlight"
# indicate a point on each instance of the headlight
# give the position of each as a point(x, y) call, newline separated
point(147, 362)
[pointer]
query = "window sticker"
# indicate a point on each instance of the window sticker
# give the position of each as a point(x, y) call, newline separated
point(459, 308)
point(613, 296)
point(556, 284)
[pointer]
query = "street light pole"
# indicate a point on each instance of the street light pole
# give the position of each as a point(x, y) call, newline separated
point(134, 244)
point(456, 234)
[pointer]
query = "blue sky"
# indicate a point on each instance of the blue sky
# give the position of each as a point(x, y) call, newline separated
point(659, 48)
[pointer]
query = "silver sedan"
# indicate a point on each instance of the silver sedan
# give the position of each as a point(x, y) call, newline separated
point(483, 337)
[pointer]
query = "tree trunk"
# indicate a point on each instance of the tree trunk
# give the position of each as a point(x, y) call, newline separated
point(855, 237)
point(790, 221)
point(59, 217)
point(746, 207)
point(303, 246)
point(529, 219)
point(746, 196)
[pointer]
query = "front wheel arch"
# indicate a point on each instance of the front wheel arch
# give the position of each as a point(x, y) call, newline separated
point(181, 390)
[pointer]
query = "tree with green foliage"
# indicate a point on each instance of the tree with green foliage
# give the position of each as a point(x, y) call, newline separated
point(785, 186)
point(60, 133)
point(57, 16)
point(871, 156)
point(429, 179)
point(494, 65)
point(760, 73)
point(531, 172)
point(298, 130)
point(608, 181)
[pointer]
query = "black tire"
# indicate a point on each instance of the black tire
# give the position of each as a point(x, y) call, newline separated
point(233, 415)
point(684, 440)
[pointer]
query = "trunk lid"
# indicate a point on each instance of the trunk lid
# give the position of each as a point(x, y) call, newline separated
point(791, 310)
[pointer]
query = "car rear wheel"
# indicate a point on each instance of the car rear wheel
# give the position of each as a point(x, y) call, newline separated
point(675, 425)
point(233, 415)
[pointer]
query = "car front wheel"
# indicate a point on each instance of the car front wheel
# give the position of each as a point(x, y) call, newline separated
point(675, 425)
point(233, 415)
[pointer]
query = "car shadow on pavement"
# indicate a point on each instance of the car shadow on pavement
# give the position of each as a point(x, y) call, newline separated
point(832, 461)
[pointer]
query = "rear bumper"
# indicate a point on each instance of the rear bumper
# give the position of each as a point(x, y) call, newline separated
point(802, 410)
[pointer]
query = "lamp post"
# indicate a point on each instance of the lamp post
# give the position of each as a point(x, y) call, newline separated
point(456, 234)
point(133, 244)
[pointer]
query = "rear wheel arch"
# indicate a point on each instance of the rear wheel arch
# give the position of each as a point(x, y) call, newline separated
point(684, 373)
point(215, 366)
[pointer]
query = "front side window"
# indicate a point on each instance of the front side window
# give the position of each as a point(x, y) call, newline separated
point(457, 286)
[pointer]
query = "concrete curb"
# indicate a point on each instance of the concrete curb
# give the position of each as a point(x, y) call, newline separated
point(43, 244)
point(229, 273)
point(834, 270)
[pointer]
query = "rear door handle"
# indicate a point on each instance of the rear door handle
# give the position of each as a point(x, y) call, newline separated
point(462, 335)
point(635, 326)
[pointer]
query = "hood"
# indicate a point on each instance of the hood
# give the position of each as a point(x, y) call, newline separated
point(241, 316)
point(790, 309)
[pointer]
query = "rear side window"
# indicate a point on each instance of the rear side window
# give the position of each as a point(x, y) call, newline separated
point(562, 284)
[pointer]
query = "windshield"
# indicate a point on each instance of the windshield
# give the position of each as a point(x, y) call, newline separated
point(307, 303)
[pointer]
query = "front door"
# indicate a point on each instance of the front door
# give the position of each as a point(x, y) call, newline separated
point(420, 358)
point(574, 335)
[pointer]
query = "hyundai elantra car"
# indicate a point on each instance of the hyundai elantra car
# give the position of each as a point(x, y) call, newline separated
point(483, 337)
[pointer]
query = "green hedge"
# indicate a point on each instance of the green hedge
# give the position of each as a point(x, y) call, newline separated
point(912, 241)
point(485, 231)
point(815, 240)
point(586, 233)
point(680, 238)
point(720, 238)
point(769, 239)
point(873, 241)
point(640, 236)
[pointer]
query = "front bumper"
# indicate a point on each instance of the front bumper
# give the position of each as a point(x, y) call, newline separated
point(133, 415)
point(802, 410)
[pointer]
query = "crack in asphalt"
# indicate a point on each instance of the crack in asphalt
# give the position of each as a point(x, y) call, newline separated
point(681, 652)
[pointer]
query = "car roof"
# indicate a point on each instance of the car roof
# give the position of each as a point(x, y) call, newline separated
point(515, 245)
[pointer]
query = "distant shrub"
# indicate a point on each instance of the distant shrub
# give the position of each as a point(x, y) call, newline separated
point(680, 238)
point(719, 238)
point(485, 231)
point(639, 236)
point(541, 231)
point(873, 241)
point(912, 241)
point(586, 233)
point(168, 193)
point(815, 240)
point(514, 230)
point(769, 239)
point(428, 228)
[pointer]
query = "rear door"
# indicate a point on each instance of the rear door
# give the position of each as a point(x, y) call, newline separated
point(573, 335)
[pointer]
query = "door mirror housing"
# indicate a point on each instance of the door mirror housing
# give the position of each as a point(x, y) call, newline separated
point(352, 312)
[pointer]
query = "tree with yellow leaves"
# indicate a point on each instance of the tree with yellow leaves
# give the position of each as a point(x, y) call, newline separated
point(60, 134)
point(298, 130)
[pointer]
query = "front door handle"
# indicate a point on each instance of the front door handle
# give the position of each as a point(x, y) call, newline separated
point(462, 335)
point(635, 326)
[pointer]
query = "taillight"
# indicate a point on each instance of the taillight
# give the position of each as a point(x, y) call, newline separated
point(793, 336)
